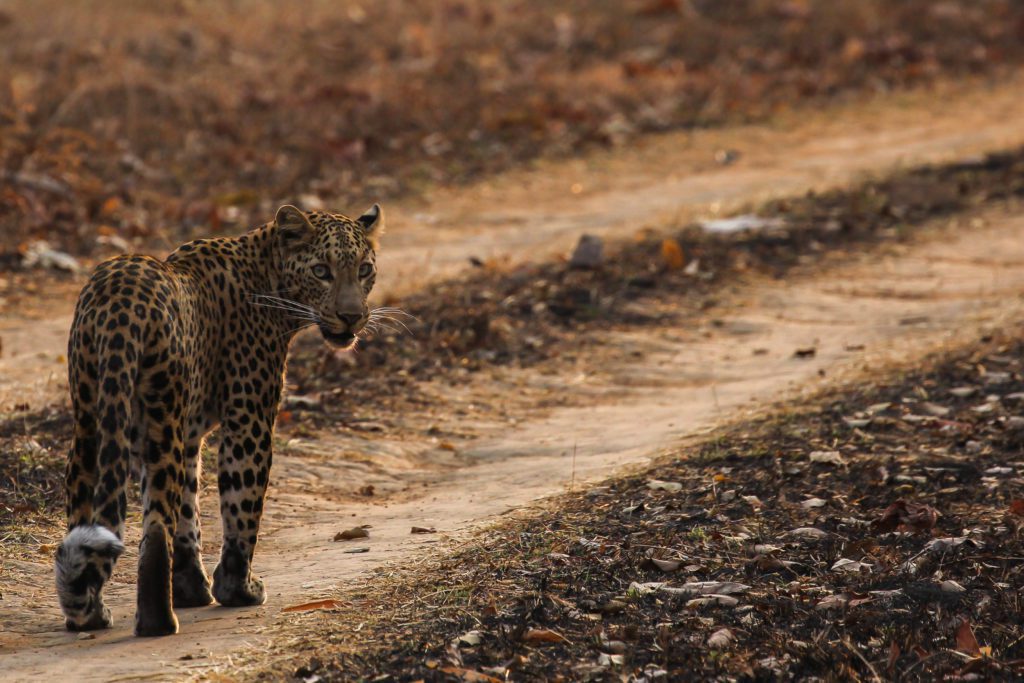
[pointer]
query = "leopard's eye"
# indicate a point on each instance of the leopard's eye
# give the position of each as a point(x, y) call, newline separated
point(321, 271)
point(365, 270)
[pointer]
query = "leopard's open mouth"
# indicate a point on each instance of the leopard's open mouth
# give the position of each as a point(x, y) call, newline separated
point(342, 339)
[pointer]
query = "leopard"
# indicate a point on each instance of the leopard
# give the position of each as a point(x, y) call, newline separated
point(163, 352)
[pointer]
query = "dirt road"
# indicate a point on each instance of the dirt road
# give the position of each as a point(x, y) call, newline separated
point(675, 383)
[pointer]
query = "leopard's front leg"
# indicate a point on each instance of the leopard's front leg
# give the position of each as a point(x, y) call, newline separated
point(244, 469)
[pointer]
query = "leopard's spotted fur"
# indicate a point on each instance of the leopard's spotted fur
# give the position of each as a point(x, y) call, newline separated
point(161, 353)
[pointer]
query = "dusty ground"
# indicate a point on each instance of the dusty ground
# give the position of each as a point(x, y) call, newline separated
point(488, 438)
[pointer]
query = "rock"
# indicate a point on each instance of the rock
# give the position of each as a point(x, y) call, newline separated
point(589, 253)
point(40, 254)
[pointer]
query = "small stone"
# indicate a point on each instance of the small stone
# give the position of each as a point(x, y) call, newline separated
point(589, 253)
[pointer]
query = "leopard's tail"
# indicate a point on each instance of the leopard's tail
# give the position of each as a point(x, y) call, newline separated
point(84, 562)
point(97, 472)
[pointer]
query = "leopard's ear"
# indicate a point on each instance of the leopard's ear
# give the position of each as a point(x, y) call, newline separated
point(373, 224)
point(294, 229)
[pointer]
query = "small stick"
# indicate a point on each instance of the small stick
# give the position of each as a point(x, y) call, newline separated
point(572, 481)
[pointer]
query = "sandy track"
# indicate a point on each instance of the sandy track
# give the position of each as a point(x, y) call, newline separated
point(658, 386)
point(526, 214)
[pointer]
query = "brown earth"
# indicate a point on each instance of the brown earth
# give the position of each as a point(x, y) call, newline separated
point(482, 445)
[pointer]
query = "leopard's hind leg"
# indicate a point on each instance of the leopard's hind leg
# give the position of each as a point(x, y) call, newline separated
point(94, 487)
point(191, 582)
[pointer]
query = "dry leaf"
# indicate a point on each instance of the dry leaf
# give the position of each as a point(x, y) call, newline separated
point(672, 254)
point(469, 676)
point(706, 588)
point(1017, 507)
point(423, 530)
point(329, 603)
point(543, 635)
point(666, 565)
point(718, 600)
point(965, 640)
point(837, 601)
point(353, 533)
point(894, 655)
point(720, 638)
point(808, 533)
point(471, 638)
point(658, 485)
point(906, 515)
point(850, 566)
point(826, 457)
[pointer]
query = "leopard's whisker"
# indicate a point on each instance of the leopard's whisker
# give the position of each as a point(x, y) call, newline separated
point(266, 299)
point(379, 317)
point(295, 313)
point(389, 327)
point(297, 329)
point(393, 310)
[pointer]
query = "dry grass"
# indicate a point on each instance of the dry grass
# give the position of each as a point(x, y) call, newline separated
point(158, 120)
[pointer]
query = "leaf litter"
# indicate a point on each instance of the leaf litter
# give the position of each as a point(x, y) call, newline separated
point(911, 569)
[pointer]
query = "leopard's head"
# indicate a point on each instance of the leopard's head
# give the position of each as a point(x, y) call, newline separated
point(328, 264)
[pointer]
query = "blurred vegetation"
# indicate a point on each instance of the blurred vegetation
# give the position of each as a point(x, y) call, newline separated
point(151, 122)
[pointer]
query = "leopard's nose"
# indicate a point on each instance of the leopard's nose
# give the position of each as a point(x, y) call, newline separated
point(350, 319)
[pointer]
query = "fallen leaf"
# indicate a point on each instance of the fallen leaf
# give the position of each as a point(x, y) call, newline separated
point(850, 566)
point(423, 530)
point(659, 485)
point(965, 640)
point(1017, 507)
point(666, 565)
point(826, 457)
point(934, 409)
point(470, 638)
point(894, 655)
point(906, 515)
point(808, 533)
point(941, 545)
point(543, 635)
point(811, 503)
point(767, 563)
point(329, 603)
point(647, 588)
point(672, 254)
point(808, 352)
point(353, 533)
point(837, 601)
point(469, 676)
point(718, 600)
point(705, 588)
point(720, 638)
